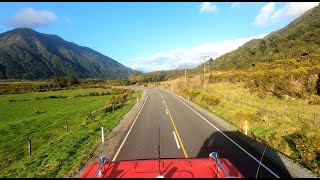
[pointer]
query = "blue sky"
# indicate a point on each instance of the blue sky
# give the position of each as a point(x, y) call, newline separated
point(151, 36)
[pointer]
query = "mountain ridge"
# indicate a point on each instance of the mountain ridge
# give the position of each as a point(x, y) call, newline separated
point(301, 37)
point(28, 54)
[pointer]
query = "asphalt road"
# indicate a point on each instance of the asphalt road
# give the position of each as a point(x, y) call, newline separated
point(186, 133)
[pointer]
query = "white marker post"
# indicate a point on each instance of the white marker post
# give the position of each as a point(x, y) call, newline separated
point(246, 128)
point(102, 135)
point(29, 147)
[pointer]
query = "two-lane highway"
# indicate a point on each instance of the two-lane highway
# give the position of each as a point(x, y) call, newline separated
point(186, 133)
point(143, 140)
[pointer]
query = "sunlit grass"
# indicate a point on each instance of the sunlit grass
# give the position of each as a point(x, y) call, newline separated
point(55, 152)
point(266, 117)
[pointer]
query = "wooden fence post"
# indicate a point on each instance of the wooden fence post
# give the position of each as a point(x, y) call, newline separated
point(67, 126)
point(315, 120)
point(89, 114)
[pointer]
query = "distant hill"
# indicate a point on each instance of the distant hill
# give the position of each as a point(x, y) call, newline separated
point(299, 38)
point(27, 54)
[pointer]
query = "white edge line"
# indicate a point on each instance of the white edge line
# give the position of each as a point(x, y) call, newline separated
point(228, 137)
point(175, 137)
point(115, 156)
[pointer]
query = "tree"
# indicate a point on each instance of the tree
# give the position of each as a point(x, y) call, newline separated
point(72, 80)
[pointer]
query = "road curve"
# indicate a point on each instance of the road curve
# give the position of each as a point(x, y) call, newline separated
point(180, 131)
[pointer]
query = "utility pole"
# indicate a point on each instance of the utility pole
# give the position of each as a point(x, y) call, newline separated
point(204, 68)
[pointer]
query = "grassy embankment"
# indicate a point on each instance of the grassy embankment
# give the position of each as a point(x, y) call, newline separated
point(41, 117)
point(276, 99)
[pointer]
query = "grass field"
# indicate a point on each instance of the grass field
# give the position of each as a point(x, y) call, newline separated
point(55, 152)
point(271, 120)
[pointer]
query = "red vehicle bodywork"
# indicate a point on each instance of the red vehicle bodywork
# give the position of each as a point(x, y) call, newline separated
point(169, 168)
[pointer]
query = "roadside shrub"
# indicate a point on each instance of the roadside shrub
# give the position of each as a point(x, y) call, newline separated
point(37, 112)
point(241, 115)
point(210, 99)
point(93, 94)
point(262, 115)
point(274, 139)
point(114, 100)
point(315, 100)
point(307, 146)
point(192, 93)
point(52, 97)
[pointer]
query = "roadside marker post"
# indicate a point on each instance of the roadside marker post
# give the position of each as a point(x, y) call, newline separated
point(29, 147)
point(246, 128)
point(102, 135)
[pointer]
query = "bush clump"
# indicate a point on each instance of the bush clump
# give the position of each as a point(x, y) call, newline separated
point(210, 99)
point(315, 100)
point(307, 146)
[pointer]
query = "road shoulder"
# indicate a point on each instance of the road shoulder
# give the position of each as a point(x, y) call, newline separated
point(116, 136)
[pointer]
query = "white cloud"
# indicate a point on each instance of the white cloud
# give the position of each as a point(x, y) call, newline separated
point(187, 57)
point(293, 9)
point(208, 7)
point(235, 5)
point(137, 67)
point(268, 14)
point(30, 18)
point(264, 14)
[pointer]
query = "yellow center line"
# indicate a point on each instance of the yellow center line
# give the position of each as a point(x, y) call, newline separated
point(174, 126)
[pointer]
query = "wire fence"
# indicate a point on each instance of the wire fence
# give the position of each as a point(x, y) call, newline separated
point(116, 104)
point(296, 116)
point(305, 119)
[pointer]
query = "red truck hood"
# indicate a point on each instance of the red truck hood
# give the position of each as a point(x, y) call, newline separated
point(169, 168)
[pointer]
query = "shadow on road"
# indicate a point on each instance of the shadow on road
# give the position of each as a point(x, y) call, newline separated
point(217, 142)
